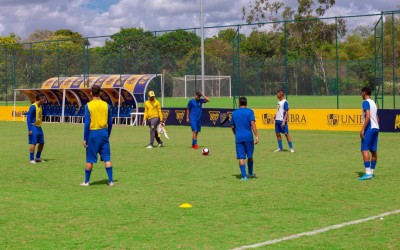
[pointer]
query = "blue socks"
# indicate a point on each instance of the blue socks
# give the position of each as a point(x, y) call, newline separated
point(31, 156)
point(110, 174)
point(38, 154)
point(373, 164)
point(243, 170)
point(250, 166)
point(87, 175)
point(194, 142)
point(290, 144)
point(280, 144)
point(367, 164)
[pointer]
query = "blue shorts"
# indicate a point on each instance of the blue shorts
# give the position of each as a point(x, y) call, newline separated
point(280, 129)
point(98, 143)
point(37, 136)
point(244, 148)
point(370, 141)
point(195, 125)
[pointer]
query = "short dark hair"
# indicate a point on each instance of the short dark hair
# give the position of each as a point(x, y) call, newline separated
point(95, 90)
point(367, 90)
point(280, 90)
point(39, 96)
point(242, 101)
point(198, 93)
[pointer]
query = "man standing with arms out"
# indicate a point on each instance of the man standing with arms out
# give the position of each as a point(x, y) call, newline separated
point(152, 113)
point(193, 115)
point(97, 130)
point(243, 126)
point(35, 132)
point(369, 134)
point(281, 118)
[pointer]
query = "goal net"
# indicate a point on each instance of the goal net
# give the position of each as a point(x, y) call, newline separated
point(214, 86)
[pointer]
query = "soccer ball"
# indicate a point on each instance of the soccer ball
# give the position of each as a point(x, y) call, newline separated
point(205, 151)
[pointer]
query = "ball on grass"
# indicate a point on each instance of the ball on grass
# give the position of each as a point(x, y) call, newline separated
point(205, 151)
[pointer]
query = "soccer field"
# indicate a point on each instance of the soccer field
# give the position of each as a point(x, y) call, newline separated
point(42, 206)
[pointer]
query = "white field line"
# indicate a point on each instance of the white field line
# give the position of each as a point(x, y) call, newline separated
point(318, 231)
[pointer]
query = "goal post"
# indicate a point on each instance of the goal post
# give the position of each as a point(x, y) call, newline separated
point(215, 86)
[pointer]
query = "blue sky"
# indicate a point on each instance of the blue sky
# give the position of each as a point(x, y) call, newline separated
point(106, 17)
point(100, 5)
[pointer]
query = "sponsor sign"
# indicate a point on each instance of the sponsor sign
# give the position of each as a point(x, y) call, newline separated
point(299, 119)
point(313, 119)
point(7, 113)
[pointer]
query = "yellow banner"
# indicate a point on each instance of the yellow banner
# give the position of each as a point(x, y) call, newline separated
point(299, 119)
point(7, 113)
point(313, 119)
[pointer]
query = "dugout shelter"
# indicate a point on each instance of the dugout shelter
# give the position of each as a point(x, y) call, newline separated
point(67, 96)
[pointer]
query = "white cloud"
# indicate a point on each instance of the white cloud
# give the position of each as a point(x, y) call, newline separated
point(23, 17)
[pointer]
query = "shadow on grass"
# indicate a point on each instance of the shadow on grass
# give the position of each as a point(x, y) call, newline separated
point(101, 182)
point(238, 176)
point(360, 173)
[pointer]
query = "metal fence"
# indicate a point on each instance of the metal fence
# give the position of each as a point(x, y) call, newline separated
point(314, 57)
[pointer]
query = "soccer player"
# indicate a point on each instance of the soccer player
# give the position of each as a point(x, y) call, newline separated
point(194, 113)
point(369, 134)
point(243, 126)
point(35, 132)
point(97, 130)
point(281, 118)
point(152, 113)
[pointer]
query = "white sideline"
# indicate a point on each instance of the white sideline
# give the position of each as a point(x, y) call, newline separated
point(317, 231)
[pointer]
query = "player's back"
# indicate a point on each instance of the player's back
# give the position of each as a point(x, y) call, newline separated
point(242, 119)
point(98, 110)
point(370, 105)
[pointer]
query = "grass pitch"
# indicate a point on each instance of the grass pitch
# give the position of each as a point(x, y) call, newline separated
point(42, 206)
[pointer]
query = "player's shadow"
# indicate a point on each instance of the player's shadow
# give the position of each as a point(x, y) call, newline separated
point(238, 176)
point(101, 182)
point(360, 173)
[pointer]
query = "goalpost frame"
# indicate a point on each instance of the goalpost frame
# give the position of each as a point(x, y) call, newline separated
point(209, 77)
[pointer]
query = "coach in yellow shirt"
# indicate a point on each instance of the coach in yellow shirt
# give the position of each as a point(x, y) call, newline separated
point(153, 115)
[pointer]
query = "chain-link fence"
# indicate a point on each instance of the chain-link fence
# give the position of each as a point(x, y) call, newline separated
point(313, 57)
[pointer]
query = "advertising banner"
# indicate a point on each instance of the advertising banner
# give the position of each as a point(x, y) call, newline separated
point(299, 119)
point(389, 120)
point(313, 119)
point(7, 113)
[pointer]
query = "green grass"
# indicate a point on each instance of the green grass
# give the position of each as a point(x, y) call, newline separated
point(42, 206)
point(265, 102)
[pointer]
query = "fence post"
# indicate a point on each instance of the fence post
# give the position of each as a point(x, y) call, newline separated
point(286, 62)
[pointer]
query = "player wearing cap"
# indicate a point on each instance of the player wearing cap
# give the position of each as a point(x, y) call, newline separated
point(153, 115)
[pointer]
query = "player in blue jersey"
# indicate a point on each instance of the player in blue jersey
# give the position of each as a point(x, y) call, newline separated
point(193, 115)
point(281, 118)
point(243, 126)
point(97, 130)
point(369, 134)
point(35, 132)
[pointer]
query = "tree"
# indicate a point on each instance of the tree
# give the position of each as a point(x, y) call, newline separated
point(39, 35)
point(9, 41)
point(130, 50)
point(308, 36)
point(176, 44)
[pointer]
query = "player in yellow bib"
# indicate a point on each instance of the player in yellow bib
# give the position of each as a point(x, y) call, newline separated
point(97, 130)
point(35, 132)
